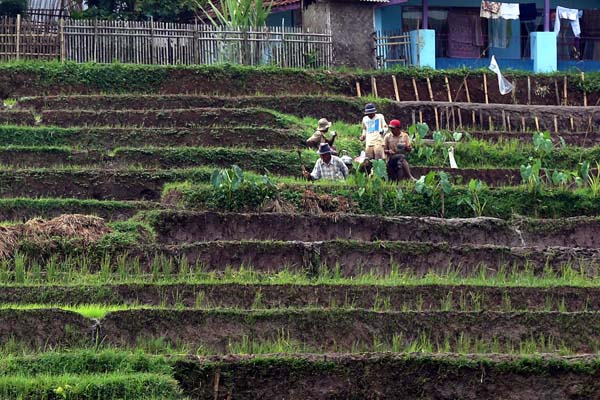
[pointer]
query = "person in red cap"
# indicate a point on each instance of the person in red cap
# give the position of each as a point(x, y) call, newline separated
point(396, 145)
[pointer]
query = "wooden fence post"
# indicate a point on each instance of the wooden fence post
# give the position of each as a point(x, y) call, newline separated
point(152, 50)
point(196, 44)
point(18, 38)
point(63, 49)
point(96, 40)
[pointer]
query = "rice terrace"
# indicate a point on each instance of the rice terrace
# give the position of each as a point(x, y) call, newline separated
point(181, 221)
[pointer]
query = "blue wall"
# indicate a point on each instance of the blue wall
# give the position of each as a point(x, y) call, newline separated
point(275, 19)
point(388, 18)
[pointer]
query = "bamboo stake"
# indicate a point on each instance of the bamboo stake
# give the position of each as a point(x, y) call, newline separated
point(523, 127)
point(487, 100)
point(537, 123)
point(358, 91)
point(374, 86)
point(450, 101)
point(528, 90)
point(414, 118)
point(216, 384)
point(18, 41)
point(469, 100)
point(509, 125)
point(396, 91)
point(504, 120)
point(555, 124)
point(557, 92)
point(585, 102)
point(565, 93)
point(414, 82)
point(435, 109)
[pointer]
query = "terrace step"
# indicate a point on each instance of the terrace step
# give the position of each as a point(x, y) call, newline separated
point(312, 329)
point(447, 376)
point(383, 296)
point(204, 117)
point(174, 227)
point(110, 138)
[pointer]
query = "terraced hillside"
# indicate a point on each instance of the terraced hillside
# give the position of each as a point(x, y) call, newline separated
point(201, 280)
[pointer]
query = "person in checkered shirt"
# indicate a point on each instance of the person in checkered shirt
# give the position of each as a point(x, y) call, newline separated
point(327, 166)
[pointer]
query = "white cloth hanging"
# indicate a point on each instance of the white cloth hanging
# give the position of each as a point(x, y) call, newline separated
point(570, 14)
point(503, 84)
point(509, 11)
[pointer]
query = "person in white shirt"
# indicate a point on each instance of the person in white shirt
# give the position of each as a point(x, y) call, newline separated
point(374, 128)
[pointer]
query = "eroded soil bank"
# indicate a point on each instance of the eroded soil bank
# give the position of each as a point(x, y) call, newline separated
point(390, 376)
point(257, 296)
point(175, 227)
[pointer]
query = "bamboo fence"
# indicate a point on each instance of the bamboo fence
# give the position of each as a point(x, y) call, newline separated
point(150, 42)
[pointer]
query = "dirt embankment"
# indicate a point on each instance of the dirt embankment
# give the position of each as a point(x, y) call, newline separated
point(342, 330)
point(236, 81)
point(189, 227)
point(368, 297)
point(388, 376)
point(206, 117)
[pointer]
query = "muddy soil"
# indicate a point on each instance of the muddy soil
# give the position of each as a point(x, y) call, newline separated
point(189, 227)
point(255, 296)
point(206, 117)
point(39, 329)
point(341, 330)
point(110, 138)
point(386, 376)
point(85, 184)
point(16, 117)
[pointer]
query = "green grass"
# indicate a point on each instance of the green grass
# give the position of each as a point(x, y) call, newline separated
point(81, 270)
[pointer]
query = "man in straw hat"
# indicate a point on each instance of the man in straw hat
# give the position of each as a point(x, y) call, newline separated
point(373, 129)
point(319, 137)
point(327, 166)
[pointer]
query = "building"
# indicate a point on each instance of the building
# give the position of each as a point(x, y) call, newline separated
point(464, 39)
point(449, 33)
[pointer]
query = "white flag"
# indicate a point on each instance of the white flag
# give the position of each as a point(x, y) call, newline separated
point(503, 83)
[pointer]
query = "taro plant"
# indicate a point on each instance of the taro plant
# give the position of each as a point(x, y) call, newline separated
point(374, 186)
point(531, 175)
point(542, 143)
point(472, 197)
point(434, 185)
point(234, 190)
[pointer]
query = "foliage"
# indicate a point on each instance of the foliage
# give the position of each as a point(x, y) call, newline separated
point(238, 13)
point(234, 190)
point(542, 143)
point(530, 174)
point(434, 184)
point(373, 188)
point(472, 197)
point(12, 8)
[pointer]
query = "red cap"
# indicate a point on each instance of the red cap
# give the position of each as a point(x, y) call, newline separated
point(395, 123)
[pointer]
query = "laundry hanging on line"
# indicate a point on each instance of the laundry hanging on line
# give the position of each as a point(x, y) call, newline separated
point(494, 9)
point(570, 14)
point(528, 11)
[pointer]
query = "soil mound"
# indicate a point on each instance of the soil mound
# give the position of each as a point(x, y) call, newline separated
point(86, 228)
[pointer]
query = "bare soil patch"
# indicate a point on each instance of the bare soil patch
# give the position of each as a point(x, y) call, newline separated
point(377, 376)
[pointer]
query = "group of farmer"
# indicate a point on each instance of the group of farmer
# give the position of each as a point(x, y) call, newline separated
point(382, 142)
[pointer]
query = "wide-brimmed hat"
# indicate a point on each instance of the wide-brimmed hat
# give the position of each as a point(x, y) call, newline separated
point(370, 109)
point(395, 123)
point(324, 149)
point(323, 124)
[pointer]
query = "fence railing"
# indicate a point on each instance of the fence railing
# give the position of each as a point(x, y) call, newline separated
point(392, 49)
point(161, 43)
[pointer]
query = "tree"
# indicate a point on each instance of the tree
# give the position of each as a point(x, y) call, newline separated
point(13, 7)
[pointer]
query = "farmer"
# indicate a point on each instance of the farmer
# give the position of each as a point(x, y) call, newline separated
point(373, 129)
point(327, 166)
point(320, 137)
point(396, 145)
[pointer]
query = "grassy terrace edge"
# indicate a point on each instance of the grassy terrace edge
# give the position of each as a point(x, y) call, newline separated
point(44, 77)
